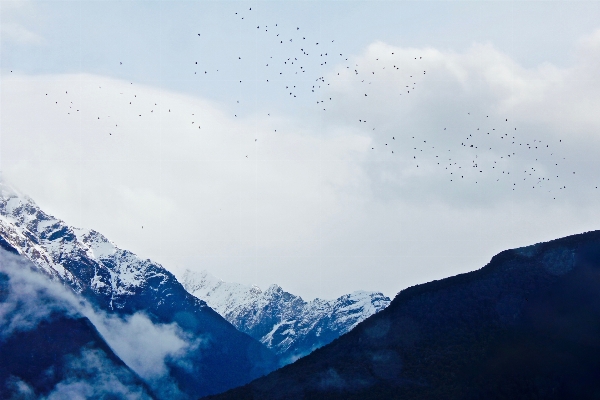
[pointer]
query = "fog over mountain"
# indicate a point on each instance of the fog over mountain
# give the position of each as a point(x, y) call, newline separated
point(52, 342)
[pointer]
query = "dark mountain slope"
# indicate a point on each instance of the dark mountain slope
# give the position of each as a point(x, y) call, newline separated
point(527, 325)
point(48, 356)
point(50, 350)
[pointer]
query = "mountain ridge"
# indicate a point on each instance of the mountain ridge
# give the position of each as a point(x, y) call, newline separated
point(526, 325)
point(285, 323)
point(117, 281)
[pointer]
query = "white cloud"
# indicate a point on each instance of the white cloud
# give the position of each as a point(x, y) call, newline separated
point(313, 206)
point(89, 148)
point(21, 310)
point(144, 346)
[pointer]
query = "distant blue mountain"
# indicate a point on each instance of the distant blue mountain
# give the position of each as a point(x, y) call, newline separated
point(525, 326)
point(218, 356)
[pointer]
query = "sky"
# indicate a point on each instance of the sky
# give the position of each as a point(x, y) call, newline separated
point(326, 146)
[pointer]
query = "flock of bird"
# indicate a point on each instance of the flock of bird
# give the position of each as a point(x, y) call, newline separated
point(484, 150)
point(495, 151)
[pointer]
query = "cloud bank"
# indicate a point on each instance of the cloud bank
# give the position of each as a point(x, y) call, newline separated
point(316, 201)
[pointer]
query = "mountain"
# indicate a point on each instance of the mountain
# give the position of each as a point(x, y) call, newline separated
point(285, 323)
point(218, 356)
point(525, 326)
point(49, 349)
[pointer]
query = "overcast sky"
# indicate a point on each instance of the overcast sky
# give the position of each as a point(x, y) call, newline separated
point(221, 136)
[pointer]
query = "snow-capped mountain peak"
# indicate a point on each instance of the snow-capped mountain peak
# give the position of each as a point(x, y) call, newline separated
point(122, 284)
point(282, 321)
point(53, 245)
